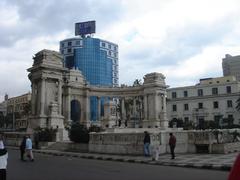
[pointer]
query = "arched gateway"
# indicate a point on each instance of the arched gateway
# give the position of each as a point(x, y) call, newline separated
point(54, 88)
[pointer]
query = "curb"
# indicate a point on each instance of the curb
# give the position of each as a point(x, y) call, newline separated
point(222, 167)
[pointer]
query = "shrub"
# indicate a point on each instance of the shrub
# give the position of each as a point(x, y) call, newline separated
point(79, 133)
point(188, 125)
point(210, 125)
point(47, 134)
point(178, 122)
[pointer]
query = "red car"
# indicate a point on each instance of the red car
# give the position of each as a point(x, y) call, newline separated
point(235, 171)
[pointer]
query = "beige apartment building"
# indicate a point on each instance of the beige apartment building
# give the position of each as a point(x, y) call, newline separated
point(17, 108)
point(209, 100)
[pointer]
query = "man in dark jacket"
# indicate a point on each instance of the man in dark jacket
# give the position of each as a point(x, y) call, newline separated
point(146, 142)
point(172, 144)
point(22, 148)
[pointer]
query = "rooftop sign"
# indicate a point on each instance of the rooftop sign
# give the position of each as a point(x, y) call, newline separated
point(83, 28)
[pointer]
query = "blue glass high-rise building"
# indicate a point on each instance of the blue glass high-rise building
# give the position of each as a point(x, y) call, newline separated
point(97, 60)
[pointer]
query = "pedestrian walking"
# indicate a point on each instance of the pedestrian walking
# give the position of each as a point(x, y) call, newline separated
point(157, 151)
point(146, 142)
point(29, 148)
point(172, 144)
point(119, 122)
point(3, 160)
point(22, 148)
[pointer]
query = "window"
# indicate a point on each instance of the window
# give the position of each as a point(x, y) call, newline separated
point(215, 104)
point(214, 91)
point(115, 48)
point(69, 50)
point(77, 42)
point(217, 118)
point(200, 92)
point(62, 44)
point(200, 105)
point(185, 93)
point(229, 104)
point(174, 107)
point(185, 107)
point(103, 44)
point(109, 46)
point(70, 43)
point(174, 95)
point(229, 89)
point(186, 119)
point(230, 116)
point(109, 53)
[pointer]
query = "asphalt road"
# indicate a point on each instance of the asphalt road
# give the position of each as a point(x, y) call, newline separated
point(47, 167)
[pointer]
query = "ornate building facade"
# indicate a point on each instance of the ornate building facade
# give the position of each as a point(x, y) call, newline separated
point(54, 88)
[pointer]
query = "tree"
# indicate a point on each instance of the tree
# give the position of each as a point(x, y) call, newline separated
point(79, 133)
point(176, 121)
point(137, 82)
point(27, 108)
point(46, 134)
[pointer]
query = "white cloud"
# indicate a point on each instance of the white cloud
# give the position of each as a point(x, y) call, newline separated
point(8, 16)
point(169, 36)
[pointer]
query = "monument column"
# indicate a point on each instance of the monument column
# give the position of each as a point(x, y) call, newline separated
point(87, 109)
point(156, 106)
point(60, 97)
point(164, 121)
point(164, 106)
point(123, 108)
point(99, 108)
point(146, 107)
point(42, 103)
point(33, 100)
point(134, 112)
point(134, 107)
point(68, 105)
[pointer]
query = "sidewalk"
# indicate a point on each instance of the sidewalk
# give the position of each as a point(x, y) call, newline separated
point(203, 161)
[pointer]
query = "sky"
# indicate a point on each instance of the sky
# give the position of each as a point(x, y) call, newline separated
point(183, 39)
